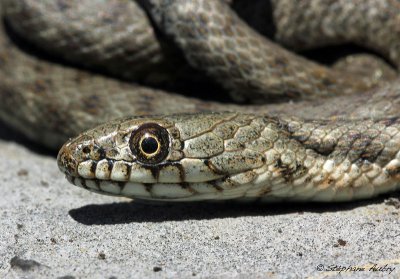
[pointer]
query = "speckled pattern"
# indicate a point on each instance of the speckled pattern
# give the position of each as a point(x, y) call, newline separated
point(216, 41)
point(341, 127)
point(230, 156)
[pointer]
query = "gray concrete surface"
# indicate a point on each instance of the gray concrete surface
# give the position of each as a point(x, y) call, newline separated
point(51, 229)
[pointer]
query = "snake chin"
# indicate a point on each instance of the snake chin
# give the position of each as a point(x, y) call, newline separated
point(167, 192)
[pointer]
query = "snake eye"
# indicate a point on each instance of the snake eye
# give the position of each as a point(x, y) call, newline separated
point(150, 143)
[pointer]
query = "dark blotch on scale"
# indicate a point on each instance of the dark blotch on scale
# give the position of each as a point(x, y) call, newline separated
point(110, 165)
point(155, 170)
point(93, 167)
point(121, 185)
point(86, 150)
point(182, 175)
point(148, 187)
point(84, 186)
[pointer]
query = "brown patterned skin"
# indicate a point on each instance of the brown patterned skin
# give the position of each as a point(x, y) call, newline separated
point(63, 25)
point(215, 40)
point(365, 22)
point(51, 102)
point(208, 156)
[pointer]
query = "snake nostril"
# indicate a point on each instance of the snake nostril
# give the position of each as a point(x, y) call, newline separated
point(86, 150)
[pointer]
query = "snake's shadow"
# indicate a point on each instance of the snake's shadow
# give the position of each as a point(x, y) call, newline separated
point(128, 212)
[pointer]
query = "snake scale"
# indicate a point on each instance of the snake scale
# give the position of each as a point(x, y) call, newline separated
point(293, 129)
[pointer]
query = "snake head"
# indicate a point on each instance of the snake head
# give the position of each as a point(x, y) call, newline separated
point(180, 157)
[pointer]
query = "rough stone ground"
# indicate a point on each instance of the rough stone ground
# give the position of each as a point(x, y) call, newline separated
point(51, 229)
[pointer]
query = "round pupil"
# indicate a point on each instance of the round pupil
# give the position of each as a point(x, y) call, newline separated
point(149, 145)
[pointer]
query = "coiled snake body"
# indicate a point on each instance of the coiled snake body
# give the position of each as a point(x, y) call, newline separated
point(313, 133)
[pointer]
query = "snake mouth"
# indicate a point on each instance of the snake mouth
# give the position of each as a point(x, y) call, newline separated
point(169, 192)
point(181, 172)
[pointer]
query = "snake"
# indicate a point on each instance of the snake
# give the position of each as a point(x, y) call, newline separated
point(102, 81)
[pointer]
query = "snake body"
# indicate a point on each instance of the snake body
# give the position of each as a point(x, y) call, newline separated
point(336, 139)
point(231, 155)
